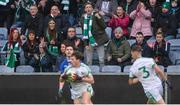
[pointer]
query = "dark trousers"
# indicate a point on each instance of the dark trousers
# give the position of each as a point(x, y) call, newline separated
point(7, 19)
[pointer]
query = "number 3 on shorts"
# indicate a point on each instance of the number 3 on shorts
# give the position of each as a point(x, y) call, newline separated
point(145, 72)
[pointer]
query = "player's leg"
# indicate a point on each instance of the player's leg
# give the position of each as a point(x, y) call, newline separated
point(77, 101)
point(86, 98)
point(161, 101)
point(154, 97)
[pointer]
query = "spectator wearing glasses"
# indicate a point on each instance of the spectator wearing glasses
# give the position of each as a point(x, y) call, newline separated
point(74, 40)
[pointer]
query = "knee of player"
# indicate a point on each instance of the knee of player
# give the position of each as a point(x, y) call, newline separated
point(86, 101)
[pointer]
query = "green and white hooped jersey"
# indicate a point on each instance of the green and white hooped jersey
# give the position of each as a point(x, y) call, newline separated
point(82, 71)
point(143, 69)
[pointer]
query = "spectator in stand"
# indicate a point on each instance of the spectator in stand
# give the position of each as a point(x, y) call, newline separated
point(129, 5)
point(14, 42)
point(175, 10)
point(66, 62)
point(31, 51)
point(62, 23)
point(94, 34)
point(52, 39)
point(167, 22)
point(155, 10)
point(118, 49)
point(142, 20)
point(161, 50)
point(74, 40)
point(7, 11)
point(44, 6)
point(61, 56)
point(34, 22)
point(120, 19)
point(45, 60)
point(146, 50)
point(23, 8)
point(106, 8)
point(70, 8)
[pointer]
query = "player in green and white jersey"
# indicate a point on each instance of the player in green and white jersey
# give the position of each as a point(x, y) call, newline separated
point(147, 72)
point(80, 77)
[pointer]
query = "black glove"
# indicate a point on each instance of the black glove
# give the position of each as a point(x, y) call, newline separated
point(78, 78)
point(64, 76)
point(168, 84)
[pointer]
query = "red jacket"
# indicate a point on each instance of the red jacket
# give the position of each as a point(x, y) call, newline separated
point(122, 22)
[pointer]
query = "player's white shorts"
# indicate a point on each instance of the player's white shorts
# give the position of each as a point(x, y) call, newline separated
point(154, 95)
point(78, 94)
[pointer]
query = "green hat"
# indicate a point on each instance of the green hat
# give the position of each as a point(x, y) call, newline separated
point(166, 5)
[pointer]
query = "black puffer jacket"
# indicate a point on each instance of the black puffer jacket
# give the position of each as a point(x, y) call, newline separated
point(33, 23)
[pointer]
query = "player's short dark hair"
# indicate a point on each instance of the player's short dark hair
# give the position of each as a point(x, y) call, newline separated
point(67, 44)
point(139, 33)
point(78, 55)
point(136, 48)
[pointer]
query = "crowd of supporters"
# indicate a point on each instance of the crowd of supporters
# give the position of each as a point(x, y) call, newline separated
point(48, 27)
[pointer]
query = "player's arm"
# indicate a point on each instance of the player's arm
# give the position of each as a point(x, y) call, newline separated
point(62, 79)
point(61, 84)
point(88, 79)
point(132, 80)
point(160, 72)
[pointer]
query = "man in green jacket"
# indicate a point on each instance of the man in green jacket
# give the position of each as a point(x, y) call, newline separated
point(119, 49)
point(94, 34)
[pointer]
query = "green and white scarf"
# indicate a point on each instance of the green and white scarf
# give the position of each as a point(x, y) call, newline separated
point(10, 61)
point(53, 49)
point(25, 5)
point(87, 30)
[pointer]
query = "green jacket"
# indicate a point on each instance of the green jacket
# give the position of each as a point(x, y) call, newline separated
point(98, 30)
point(123, 51)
